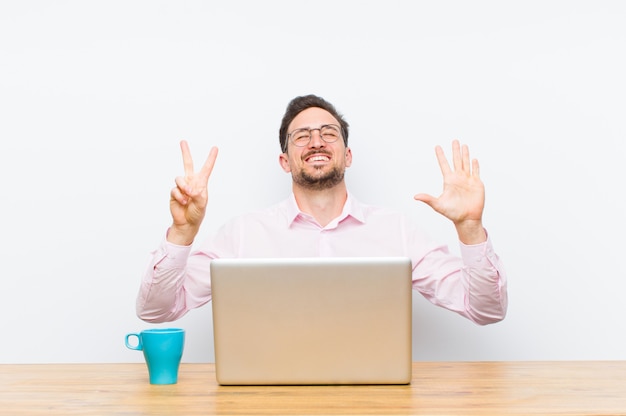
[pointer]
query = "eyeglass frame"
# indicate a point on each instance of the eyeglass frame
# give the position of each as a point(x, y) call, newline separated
point(310, 130)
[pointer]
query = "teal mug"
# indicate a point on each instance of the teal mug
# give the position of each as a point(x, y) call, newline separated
point(162, 348)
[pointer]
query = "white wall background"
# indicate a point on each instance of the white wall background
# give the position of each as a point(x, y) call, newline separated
point(95, 95)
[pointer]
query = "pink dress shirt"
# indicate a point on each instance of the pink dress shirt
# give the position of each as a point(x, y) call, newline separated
point(473, 285)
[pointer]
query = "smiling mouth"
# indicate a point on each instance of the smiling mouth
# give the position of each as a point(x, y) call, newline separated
point(316, 157)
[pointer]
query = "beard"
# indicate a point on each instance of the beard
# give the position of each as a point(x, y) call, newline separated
point(319, 180)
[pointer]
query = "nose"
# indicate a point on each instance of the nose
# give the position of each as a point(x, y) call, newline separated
point(316, 139)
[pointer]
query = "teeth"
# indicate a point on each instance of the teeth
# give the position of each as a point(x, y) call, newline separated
point(318, 158)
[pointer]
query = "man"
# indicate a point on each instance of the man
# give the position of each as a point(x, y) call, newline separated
point(321, 218)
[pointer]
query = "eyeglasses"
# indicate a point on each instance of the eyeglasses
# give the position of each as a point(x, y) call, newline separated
point(328, 132)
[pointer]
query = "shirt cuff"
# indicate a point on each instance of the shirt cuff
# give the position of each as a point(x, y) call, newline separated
point(171, 256)
point(478, 254)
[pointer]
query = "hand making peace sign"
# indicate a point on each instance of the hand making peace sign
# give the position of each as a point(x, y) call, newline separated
point(188, 200)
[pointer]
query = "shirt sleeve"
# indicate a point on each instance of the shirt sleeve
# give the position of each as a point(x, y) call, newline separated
point(473, 285)
point(176, 281)
point(484, 277)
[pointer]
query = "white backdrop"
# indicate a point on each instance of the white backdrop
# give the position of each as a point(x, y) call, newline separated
point(94, 97)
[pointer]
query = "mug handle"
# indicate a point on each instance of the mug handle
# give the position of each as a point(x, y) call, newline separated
point(139, 345)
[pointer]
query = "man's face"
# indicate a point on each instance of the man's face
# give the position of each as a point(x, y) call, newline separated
point(318, 165)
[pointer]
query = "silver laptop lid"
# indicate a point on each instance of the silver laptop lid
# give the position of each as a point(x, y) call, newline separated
point(312, 320)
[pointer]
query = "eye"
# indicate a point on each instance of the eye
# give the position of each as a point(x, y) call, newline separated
point(330, 132)
point(300, 136)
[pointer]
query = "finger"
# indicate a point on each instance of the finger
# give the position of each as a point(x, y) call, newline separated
point(426, 198)
point(457, 159)
point(182, 186)
point(443, 162)
point(178, 196)
point(475, 168)
point(465, 157)
point(187, 160)
point(206, 170)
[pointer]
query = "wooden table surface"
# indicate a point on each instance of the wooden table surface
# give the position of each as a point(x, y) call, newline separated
point(437, 388)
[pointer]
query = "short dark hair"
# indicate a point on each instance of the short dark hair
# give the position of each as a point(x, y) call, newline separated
point(299, 104)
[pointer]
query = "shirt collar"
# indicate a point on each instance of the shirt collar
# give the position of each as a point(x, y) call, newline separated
point(352, 208)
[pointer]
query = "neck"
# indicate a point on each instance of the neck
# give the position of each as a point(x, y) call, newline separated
point(324, 205)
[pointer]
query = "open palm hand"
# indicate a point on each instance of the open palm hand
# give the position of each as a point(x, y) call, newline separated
point(463, 197)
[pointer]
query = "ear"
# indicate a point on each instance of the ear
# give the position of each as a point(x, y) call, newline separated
point(348, 157)
point(283, 159)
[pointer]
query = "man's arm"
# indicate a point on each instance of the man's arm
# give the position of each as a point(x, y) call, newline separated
point(482, 274)
point(164, 294)
point(161, 295)
point(486, 299)
point(473, 285)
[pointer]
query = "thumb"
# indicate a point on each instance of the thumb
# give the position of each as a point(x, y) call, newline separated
point(425, 198)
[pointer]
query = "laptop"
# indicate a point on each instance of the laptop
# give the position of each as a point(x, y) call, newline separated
point(309, 321)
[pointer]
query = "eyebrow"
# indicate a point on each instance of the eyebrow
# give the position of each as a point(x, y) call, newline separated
point(316, 128)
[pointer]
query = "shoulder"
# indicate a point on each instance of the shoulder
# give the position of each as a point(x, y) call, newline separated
point(275, 212)
point(383, 217)
point(371, 210)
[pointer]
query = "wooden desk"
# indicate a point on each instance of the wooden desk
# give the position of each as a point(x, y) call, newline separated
point(484, 388)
